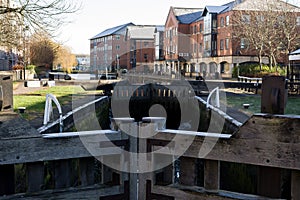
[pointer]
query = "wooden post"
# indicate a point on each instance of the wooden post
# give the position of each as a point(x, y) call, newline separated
point(62, 174)
point(35, 176)
point(295, 192)
point(133, 162)
point(269, 182)
point(87, 169)
point(188, 170)
point(7, 177)
point(211, 175)
point(106, 174)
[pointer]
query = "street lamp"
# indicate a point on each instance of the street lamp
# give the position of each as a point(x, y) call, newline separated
point(118, 62)
point(26, 28)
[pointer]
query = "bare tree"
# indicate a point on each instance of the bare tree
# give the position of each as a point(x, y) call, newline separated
point(20, 16)
point(65, 59)
point(42, 51)
point(269, 26)
point(40, 14)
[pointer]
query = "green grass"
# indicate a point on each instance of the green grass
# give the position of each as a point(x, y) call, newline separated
point(237, 101)
point(35, 101)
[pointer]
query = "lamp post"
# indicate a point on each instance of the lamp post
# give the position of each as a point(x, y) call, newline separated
point(118, 62)
point(26, 28)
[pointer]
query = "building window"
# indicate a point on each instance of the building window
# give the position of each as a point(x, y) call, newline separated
point(227, 21)
point(146, 57)
point(260, 18)
point(146, 44)
point(200, 47)
point(195, 29)
point(298, 21)
point(244, 43)
point(222, 22)
point(246, 19)
point(118, 47)
point(221, 44)
point(195, 48)
point(227, 43)
point(201, 28)
point(207, 42)
point(117, 37)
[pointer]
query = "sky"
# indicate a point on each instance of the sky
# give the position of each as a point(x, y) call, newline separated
point(97, 15)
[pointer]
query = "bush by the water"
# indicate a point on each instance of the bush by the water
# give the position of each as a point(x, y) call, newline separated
point(253, 70)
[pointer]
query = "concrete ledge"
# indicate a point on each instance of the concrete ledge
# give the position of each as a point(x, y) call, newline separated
point(32, 84)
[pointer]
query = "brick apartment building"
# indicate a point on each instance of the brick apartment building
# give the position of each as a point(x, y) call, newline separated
point(144, 43)
point(126, 46)
point(108, 49)
point(202, 41)
point(193, 41)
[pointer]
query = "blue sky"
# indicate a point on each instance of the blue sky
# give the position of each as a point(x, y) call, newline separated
point(98, 15)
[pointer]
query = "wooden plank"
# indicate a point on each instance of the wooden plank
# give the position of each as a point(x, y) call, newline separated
point(211, 175)
point(266, 140)
point(92, 192)
point(188, 171)
point(35, 176)
point(295, 192)
point(269, 182)
point(187, 193)
point(7, 177)
point(62, 174)
point(33, 149)
point(87, 170)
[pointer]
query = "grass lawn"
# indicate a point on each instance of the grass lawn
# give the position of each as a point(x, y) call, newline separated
point(237, 101)
point(35, 101)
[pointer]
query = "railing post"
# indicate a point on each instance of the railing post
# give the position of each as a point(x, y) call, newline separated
point(212, 175)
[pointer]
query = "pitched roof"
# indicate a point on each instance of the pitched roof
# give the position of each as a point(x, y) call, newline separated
point(217, 9)
point(111, 31)
point(160, 28)
point(141, 32)
point(183, 11)
point(229, 6)
point(263, 5)
point(295, 52)
point(189, 18)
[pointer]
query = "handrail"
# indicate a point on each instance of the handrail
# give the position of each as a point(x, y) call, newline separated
point(220, 112)
point(45, 127)
point(49, 110)
point(249, 78)
point(217, 98)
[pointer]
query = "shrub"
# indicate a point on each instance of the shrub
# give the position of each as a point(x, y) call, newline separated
point(31, 68)
point(17, 67)
point(254, 70)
